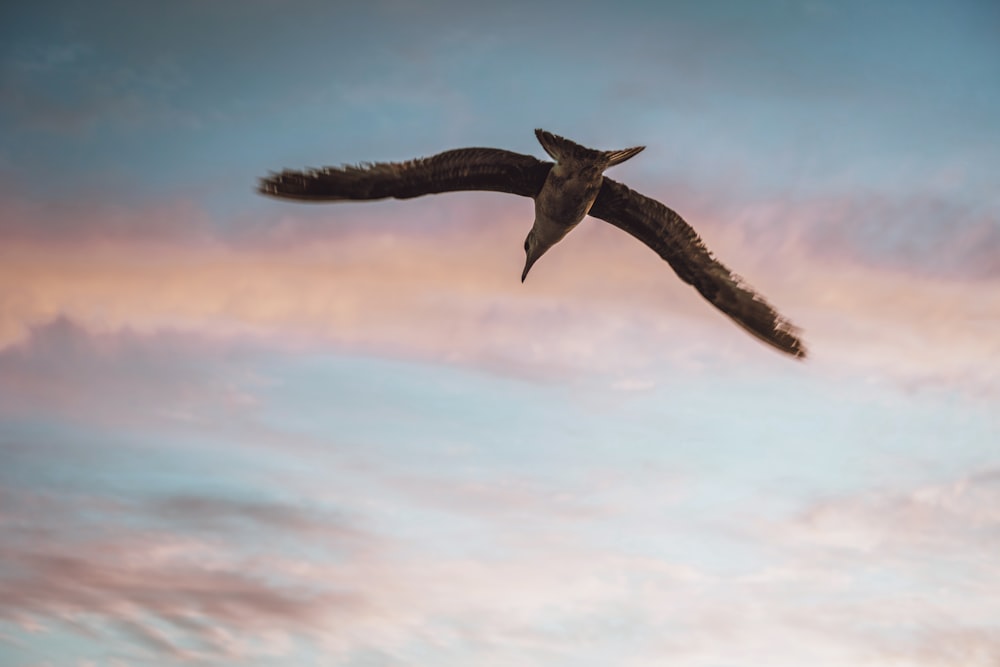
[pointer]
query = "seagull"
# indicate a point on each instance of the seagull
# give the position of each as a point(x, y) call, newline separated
point(564, 192)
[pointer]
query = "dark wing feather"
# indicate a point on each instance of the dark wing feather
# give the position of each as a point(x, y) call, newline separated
point(674, 240)
point(461, 169)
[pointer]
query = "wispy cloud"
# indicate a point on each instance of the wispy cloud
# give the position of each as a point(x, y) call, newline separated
point(607, 556)
point(915, 559)
point(183, 596)
point(957, 519)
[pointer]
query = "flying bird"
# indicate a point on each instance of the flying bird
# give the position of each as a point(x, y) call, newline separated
point(564, 192)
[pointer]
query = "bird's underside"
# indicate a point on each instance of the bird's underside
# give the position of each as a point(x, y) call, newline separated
point(656, 225)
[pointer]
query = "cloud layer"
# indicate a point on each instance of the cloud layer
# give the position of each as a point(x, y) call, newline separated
point(441, 284)
point(189, 527)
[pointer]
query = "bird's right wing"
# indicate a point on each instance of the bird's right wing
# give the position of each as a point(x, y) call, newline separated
point(461, 169)
point(663, 230)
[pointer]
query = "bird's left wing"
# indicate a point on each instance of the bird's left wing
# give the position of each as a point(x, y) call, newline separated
point(663, 230)
point(461, 169)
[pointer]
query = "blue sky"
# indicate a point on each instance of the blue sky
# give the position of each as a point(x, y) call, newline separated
point(237, 430)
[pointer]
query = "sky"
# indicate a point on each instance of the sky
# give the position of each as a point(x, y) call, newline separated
point(236, 430)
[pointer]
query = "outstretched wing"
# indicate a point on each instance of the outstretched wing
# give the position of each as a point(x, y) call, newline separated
point(461, 169)
point(674, 240)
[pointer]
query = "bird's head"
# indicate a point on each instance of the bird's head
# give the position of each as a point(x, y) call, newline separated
point(533, 249)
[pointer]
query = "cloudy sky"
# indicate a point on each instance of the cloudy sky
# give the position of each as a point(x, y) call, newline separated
point(242, 431)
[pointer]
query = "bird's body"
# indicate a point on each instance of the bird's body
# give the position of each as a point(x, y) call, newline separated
point(564, 193)
point(570, 189)
point(566, 197)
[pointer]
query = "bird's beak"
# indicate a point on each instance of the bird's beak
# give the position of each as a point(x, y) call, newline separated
point(527, 266)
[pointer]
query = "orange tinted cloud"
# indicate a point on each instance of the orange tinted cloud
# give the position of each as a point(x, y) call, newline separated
point(428, 286)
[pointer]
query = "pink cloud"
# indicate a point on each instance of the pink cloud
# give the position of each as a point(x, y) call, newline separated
point(124, 377)
point(926, 235)
point(442, 283)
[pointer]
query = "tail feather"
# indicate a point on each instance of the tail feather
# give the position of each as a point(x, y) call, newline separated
point(617, 157)
point(561, 149)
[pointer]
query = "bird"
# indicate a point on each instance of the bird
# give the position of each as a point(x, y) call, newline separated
point(564, 191)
